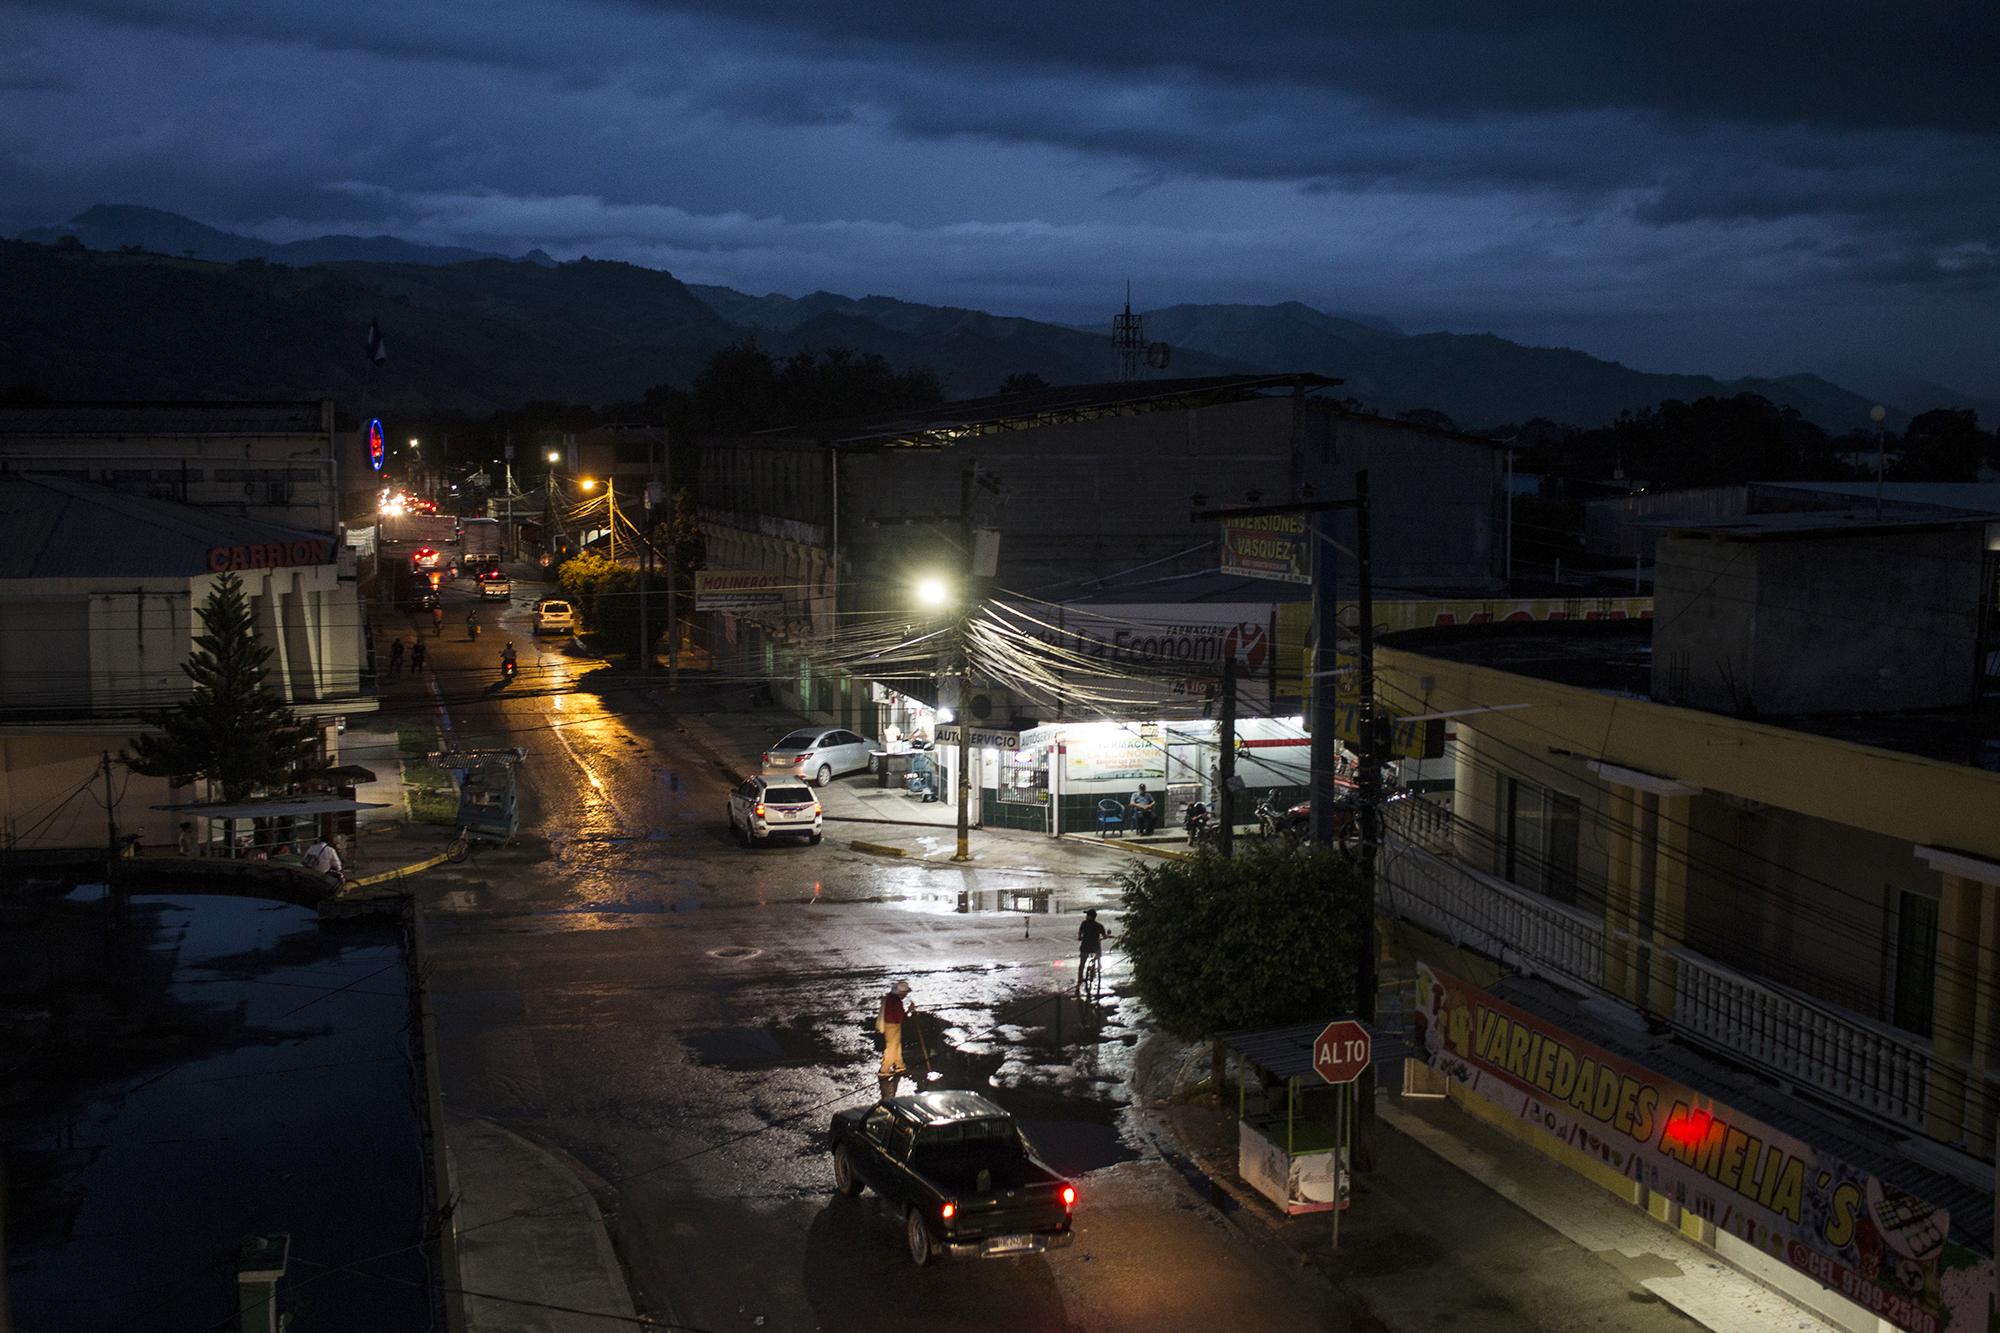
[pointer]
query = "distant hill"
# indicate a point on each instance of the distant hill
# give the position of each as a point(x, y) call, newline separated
point(97, 317)
point(124, 226)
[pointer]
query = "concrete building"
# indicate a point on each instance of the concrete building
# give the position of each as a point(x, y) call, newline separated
point(98, 591)
point(1746, 856)
point(1079, 487)
point(273, 462)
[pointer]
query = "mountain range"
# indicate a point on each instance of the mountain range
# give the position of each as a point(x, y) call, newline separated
point(128, 302)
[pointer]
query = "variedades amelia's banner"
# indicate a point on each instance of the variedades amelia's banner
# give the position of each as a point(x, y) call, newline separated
point(1854, 1233)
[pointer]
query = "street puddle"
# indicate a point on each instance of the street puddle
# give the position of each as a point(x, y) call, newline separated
point(799, 1043)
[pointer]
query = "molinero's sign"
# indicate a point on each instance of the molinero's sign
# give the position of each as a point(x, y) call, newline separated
point(266, 555)
point(1852, 1232)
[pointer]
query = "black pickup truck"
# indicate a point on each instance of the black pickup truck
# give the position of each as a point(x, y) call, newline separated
point(962, 1174)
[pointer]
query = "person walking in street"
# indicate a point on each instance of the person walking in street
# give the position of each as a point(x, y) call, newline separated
point(396, 656)
point(416, 657)
point(1144, 813)
point(896, 1009)
point(437, 619)
point(184, 840)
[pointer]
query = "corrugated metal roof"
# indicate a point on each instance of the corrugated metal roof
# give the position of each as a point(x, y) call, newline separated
point(54, 528)
point(163, 418)
point(940, 425)
point(1859, 1143)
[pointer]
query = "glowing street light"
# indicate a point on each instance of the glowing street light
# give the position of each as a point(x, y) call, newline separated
point(555, 456)
point(933, 593)
point(588, 483)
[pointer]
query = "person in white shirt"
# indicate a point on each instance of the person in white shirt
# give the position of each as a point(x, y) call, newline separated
point(321, 859)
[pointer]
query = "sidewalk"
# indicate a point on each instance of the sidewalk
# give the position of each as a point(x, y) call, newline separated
point(1457, 1224)
point(387, 840)
point(719, 721)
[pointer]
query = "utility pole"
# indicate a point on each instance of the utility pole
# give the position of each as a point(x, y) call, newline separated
point(1225, 770)
point(611, 508)
point(645, 562)
point(508, 491)
point(965, 601)
point(673, 561)
point(110, 811)
point(1373, 755)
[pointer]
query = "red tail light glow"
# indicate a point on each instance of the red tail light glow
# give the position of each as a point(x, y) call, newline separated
point(950, 1210)
point(802, 758)
point(1069, 1196)
point(758, 809)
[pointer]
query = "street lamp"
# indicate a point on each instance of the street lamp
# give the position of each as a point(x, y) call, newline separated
point(933, 592)
point(588, 483)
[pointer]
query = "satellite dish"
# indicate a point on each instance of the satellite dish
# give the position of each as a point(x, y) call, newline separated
point(1157, 354)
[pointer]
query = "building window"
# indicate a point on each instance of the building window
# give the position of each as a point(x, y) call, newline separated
point(1916, 961)
point(1540, 837)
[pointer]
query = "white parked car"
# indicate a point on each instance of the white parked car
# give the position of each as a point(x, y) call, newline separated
point(554, 616)
point(766, 807)
point(820, 755)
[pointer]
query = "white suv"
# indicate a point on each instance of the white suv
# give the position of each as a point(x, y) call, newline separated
point(554, 616)
point(762, 807)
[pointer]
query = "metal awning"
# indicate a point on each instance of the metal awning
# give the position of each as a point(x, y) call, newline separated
point(296, 807)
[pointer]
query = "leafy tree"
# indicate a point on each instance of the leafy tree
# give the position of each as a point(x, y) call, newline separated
point(1023, 381)
point(690, 544)
point(1944, 444)
point(234, 729)
point(607, 594)
point(1266, 937)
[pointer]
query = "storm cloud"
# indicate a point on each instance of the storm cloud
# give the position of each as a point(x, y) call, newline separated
point(1719, 187)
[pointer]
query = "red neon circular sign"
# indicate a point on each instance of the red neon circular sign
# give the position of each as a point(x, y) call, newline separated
point(375, 449)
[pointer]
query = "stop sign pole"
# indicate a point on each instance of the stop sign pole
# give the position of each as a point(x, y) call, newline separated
point(1341, 1053)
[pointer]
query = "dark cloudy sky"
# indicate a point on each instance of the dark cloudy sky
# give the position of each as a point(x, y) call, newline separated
point(1743, 186)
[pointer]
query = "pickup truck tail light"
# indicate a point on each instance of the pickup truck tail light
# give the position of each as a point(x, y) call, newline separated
point(1069, 1196)
point(949, 1211)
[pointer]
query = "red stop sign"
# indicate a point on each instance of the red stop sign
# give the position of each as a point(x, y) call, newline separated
point(1341, 1051)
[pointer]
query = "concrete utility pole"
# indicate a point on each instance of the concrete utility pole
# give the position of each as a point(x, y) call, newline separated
point(965, 602)
point(1225, 766)
point(1374, 753)
point(673, 561)
point(110, 811)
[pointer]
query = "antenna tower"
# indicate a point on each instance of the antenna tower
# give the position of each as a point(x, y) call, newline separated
point(1128, 338)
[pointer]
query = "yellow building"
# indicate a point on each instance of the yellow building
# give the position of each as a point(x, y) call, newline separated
point(1747, 854)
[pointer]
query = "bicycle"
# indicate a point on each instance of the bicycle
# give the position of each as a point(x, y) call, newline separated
point(1090, 977)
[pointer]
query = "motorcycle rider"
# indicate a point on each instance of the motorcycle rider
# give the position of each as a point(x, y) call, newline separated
point(471, 624)
point(1198, 822)
point(507, 659)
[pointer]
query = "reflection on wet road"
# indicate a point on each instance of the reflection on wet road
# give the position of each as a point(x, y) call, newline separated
point(682, 1018)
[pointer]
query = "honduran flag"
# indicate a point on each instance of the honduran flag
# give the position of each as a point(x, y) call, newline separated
point(375, 352)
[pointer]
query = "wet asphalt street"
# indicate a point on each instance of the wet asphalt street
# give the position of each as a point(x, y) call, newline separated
point(678, 1018)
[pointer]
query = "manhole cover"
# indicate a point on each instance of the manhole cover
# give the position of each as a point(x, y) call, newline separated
point(734, 951)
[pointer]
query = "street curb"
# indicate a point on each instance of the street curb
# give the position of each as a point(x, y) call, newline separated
point(400, 872)
point(877, 848)
point(1129, 848)
point(443, 1180)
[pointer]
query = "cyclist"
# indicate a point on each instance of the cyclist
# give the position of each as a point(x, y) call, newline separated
point(1091, 937)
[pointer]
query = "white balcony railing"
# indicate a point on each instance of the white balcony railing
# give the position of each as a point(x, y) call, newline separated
point(1524, 930)
point(1877, 1068)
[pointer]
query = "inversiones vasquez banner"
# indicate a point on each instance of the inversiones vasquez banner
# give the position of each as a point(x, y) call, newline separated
point(1269, 546)
point(1852, 1232)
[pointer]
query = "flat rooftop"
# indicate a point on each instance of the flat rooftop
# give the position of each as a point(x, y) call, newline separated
point(1616, 657)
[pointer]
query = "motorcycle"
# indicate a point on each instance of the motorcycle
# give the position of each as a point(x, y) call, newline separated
point(1199, 824)
point(1274, 820)
point(506, 669)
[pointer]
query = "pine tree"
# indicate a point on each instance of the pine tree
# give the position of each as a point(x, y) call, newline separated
point(235, 728)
